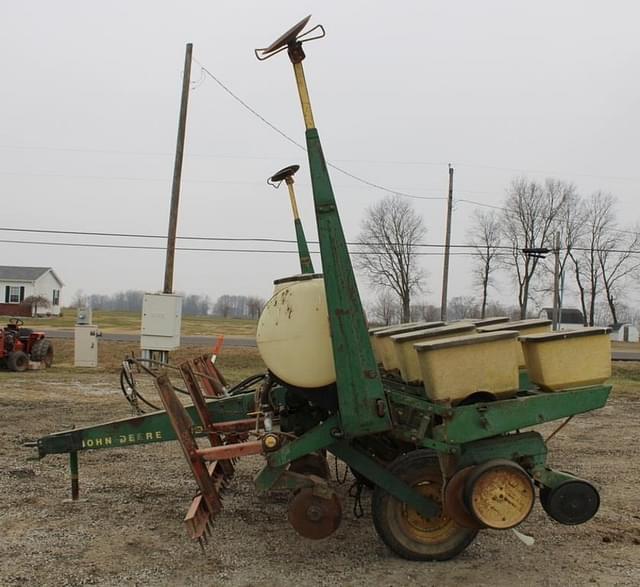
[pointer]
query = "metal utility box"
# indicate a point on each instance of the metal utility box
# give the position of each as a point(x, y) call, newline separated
point(161, 321)
point(84, 315)
point(86, 345)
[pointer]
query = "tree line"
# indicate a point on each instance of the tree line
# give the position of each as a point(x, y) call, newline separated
point(225, 306)
point(599, 255)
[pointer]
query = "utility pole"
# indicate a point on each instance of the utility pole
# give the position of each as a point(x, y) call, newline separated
point(447, 247)
point(556, 282)
point(177, 173)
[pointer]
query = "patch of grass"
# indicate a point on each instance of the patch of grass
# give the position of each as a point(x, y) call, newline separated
point(625, 378)
point(129, 322)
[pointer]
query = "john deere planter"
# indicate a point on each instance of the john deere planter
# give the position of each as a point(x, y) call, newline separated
point(442, 435)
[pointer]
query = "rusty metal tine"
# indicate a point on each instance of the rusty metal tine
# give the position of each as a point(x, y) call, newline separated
point(219, 375)
point(210, 387)
point(207, 374)
point(182, 425)
point(202, 410)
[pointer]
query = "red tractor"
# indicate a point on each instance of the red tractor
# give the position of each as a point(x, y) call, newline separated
point(20, 345)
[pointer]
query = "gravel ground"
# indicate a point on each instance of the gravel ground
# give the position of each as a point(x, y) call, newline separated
point(127, 528)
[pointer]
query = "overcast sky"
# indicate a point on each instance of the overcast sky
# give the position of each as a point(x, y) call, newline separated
point(90, 96)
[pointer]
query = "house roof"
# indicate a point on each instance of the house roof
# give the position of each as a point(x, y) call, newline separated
point(10, 273)
point(567, 315)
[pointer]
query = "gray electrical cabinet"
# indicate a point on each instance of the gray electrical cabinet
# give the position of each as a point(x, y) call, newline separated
point(161, 321)
point(86, 345)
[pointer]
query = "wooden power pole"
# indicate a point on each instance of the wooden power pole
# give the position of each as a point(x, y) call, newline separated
point(556, 283)
point(447, 247)
point(177, 173)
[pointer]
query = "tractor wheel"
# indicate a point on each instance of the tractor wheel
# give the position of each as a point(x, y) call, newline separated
point(42, 351)
point(404, 530)
point(18, 361)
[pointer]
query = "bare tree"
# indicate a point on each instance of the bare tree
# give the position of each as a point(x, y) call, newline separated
point(385, 310)
point(485, 235)
point(195, 305)
point(618, 259)
point(254, 306)
point(223, 306)
point(530, 214)
point(498, 309)
point(79, 299)
point(597, 219)
point(390, 231)
point(36, 301)
point(425, 311)
point(570, 227)
point(462, 307)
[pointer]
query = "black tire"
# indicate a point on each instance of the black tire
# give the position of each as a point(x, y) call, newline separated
point(18, 362)
point(402, 529)
point(573, 502)
point(42, 351)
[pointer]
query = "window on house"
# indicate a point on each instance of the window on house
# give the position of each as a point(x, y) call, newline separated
point(14, 295)
point(55, 298)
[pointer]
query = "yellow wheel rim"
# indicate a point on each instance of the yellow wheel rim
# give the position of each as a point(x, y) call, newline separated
point(421, 528)
point(502, 497)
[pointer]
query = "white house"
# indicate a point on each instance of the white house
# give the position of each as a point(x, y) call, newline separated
point(20, 283)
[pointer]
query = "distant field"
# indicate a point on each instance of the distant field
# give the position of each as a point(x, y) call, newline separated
point(236, 363)
point(129, 322)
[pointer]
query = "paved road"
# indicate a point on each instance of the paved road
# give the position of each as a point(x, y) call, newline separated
point(624, 355)
point(186, 340)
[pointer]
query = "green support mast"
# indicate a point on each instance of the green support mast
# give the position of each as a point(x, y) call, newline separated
point(286, 175)
point(361, 397)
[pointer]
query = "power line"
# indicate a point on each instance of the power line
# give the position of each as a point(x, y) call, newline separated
point(303, 148)
point(476, 203)
point(213, 238)
point(277, 240)
point(194, 249)
point(477, 249)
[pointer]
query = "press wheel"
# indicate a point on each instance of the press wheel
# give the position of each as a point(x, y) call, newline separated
point(454, 505)
point(499, 494)
point(313, 515)
point(403, 529)
point(574, 501)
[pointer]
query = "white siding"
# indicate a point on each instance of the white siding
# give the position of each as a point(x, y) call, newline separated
point(44, 286)
point(28, 288)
